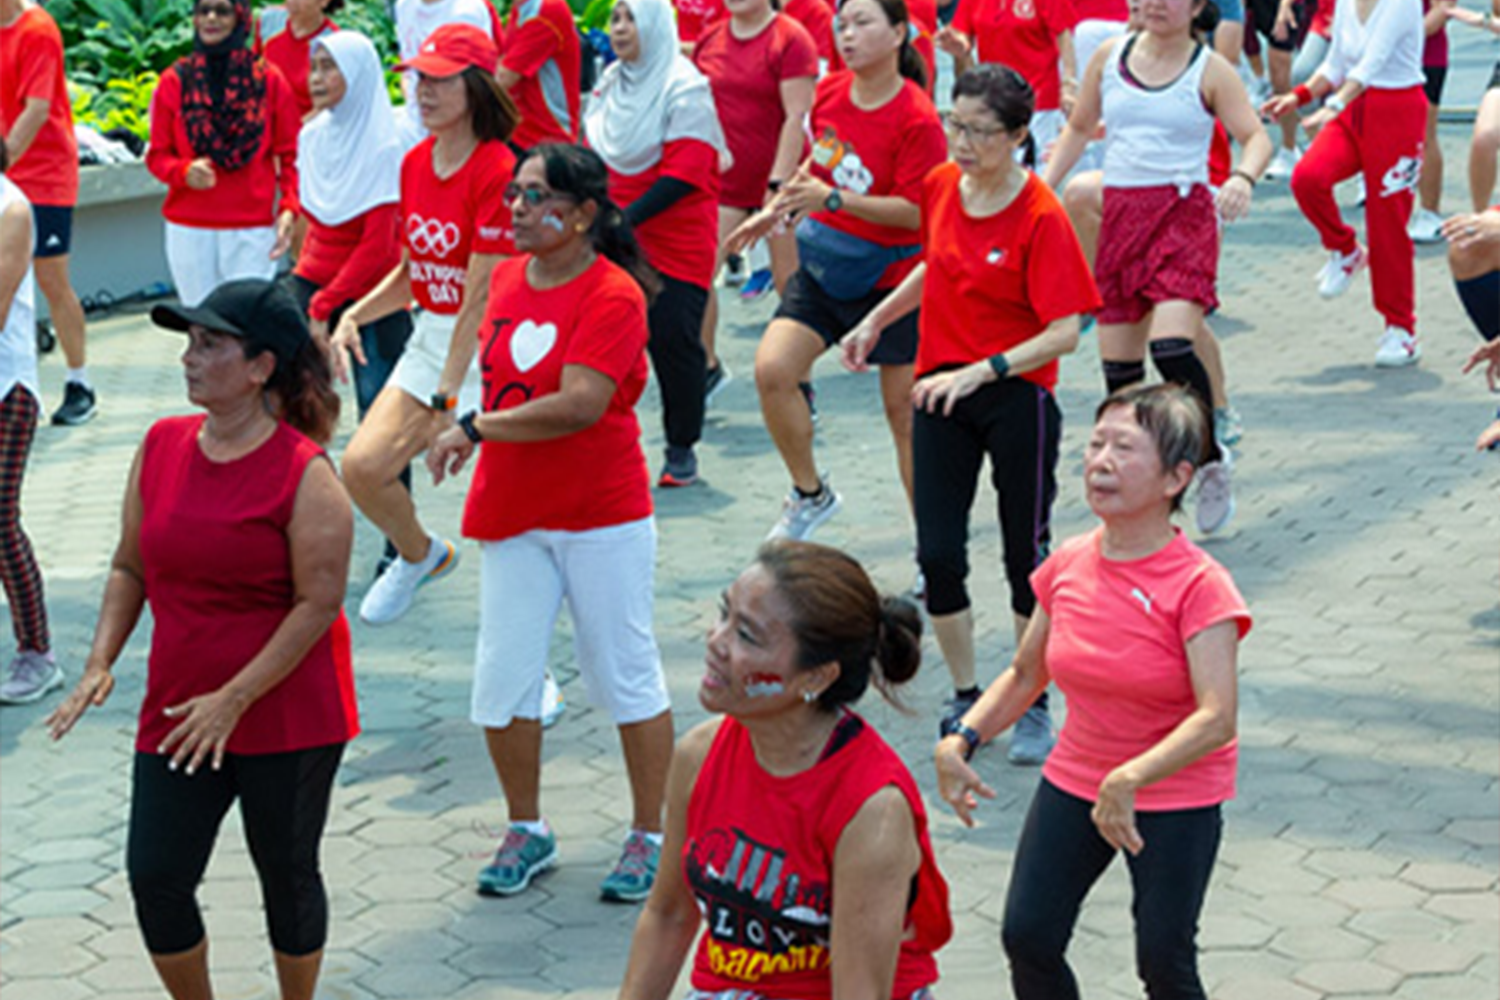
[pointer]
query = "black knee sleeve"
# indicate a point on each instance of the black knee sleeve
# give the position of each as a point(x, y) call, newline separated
point(1120, 374)
point(1175, 358)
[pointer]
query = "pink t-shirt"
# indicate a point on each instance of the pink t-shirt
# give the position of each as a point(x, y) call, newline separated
point(1118, 652)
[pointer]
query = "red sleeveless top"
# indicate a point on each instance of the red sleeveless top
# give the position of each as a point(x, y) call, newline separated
point(218, 576)
point(759, 860)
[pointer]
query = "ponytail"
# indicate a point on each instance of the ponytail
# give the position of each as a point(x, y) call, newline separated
point(579, 172)
point(303, 388)
point(614, 238)
point(910, 63)
point(838, 617)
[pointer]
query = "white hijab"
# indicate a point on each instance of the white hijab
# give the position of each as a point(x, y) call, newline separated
point(640, 106)
point(349, 155)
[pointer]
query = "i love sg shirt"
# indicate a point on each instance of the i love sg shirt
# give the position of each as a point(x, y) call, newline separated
point(444, 220)
point(594, 478)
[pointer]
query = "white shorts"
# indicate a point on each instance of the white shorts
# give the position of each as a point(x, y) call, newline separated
point(420, 367)
point(607, 576)
point(203, 259)
point(1046, 126)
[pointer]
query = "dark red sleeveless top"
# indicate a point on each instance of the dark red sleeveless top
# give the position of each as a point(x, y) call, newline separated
point(759, 860)
point(218, 573)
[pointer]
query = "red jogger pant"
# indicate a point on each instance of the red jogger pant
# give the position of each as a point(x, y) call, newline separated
point(1380, 135)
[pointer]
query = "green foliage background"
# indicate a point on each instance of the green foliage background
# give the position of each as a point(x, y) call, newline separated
point(116, 49)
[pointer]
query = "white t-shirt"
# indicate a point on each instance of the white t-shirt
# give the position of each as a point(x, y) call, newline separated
point(415, 20)
point(1384, 52)
point(18, 335)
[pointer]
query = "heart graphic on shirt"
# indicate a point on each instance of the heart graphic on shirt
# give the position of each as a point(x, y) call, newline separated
point(531, 343)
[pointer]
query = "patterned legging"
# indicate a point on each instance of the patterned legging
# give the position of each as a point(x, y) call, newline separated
point(18, 569)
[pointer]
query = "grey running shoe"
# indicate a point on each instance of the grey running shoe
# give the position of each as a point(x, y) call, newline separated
point(801, 516)
point(522, 857)
point(1032, 738)
point(1215, 496)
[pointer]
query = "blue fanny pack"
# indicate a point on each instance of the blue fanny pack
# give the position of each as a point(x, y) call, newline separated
point(847, 267)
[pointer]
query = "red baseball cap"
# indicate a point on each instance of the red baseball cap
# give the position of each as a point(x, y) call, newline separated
point(453, 48)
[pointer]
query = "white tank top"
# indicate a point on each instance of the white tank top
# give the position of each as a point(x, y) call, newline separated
point(18, 335)
point(1155, 135)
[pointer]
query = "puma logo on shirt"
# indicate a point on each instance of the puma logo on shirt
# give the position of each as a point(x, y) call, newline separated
point(1140, 595)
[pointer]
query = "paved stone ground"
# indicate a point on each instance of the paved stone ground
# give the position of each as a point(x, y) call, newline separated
point(1360, 859)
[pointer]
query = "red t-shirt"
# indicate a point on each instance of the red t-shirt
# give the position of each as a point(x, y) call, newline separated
point(887, 151)
point(680, 242)
point(541, 45)
point(759, 860)
point(746, 77)
point(347, 261)
point(694, 17)
point(1101, 10)
point(241, 198)
point(444, 220)
point(1117, 650)
point(594, 478)
point(996, 282)
point(31, 65)
point(1022, 34)
point(291, 54)
point(218, 576)
point(817, 17)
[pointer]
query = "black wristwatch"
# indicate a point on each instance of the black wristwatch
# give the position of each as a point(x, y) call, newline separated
point(470, 431)
point(834, 201)
point(971, 739)
point(443, 402)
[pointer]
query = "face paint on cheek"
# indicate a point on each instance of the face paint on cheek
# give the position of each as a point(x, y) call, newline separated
point(764, 686)
point(553, 221)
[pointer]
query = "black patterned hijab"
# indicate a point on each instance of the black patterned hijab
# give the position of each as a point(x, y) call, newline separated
point(224, 96)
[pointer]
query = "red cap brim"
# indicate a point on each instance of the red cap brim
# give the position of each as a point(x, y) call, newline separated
point(432, 64)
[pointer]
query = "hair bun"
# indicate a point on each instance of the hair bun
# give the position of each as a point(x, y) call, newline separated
point(898, 647)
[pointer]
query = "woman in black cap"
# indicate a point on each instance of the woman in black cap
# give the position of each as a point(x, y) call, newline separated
point(237, 531)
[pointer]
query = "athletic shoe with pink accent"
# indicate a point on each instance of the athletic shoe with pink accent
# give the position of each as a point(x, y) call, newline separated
point(1398, 348)
point(1341, 268)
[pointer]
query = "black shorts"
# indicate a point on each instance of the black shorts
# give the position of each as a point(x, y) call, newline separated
point(54, 230)
point(1436, 76)
point(1264, 13)
point(805, 302)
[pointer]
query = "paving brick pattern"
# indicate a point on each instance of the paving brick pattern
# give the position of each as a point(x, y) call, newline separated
point(1360, 858)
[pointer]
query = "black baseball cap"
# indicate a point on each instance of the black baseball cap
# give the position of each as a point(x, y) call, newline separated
point(261, 313)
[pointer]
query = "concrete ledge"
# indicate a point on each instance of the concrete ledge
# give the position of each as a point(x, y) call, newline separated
point(112, 183)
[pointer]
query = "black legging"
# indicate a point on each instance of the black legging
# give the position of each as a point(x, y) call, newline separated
point(678, 358)
point(174, 820)
point(1059, 858)
point(1018, 425)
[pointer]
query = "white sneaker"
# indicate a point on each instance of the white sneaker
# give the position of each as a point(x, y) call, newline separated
point(1341, 268)
point(1425, 227)
point(1215, 496)
point(1282, 164)
point(390, 596)
point(1398, 348)
point(552, 701)
point(30, 677)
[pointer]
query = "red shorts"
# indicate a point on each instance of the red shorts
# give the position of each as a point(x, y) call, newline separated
point(1156, 246)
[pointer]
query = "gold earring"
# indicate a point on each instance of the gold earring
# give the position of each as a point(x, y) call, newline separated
point(582, 227)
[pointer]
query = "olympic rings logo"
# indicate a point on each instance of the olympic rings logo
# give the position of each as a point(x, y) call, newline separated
point(431, 236)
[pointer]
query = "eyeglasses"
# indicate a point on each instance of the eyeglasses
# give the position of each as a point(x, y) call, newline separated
point(970, 133)
point(531, 196)
point(220, 10)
